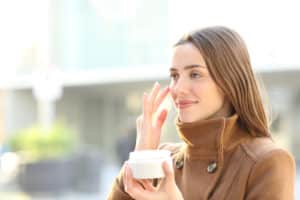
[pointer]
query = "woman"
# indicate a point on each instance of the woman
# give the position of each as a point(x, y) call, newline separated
point(227, 152)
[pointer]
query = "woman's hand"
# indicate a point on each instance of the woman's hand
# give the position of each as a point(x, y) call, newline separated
point(144, 190)
point(148, 127)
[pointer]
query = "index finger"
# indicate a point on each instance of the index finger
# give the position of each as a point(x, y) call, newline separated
point(160, 98)
point(134, 188)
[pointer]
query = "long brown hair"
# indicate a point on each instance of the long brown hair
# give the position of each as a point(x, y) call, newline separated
point(228, 62)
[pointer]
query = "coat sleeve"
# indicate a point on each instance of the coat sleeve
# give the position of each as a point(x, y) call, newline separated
point(117, 191)
point(272, 177)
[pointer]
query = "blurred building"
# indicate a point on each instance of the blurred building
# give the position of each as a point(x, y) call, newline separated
point(107, 52)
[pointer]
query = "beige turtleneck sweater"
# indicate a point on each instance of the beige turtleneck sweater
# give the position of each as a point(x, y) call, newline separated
point(219, 160)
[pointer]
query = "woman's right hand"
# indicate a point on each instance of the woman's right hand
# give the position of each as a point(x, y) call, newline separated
point(148, 127)
point(144, 189)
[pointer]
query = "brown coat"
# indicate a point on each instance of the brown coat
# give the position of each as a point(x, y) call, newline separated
point(220, 160)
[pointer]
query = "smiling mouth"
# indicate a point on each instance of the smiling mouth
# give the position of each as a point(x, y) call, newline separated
point(184, 105)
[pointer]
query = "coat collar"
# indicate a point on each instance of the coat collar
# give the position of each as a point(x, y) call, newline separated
point(210, 138)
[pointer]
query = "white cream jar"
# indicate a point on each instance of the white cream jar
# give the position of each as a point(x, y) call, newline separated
point(147, 164)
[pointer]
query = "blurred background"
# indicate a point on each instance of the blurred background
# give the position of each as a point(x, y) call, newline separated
point(72, 75)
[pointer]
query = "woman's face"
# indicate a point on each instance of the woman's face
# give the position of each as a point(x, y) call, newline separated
point(196, 96)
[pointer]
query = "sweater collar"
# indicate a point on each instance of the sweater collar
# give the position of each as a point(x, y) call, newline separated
point(209, 138)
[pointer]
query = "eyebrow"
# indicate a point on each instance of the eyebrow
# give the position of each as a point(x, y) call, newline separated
point(188, 67)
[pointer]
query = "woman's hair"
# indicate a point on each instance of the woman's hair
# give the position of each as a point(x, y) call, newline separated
point(228, 62)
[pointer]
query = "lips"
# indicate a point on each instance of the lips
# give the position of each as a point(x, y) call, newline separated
point(184, 103)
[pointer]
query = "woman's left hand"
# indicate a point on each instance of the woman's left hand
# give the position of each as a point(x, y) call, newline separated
point(144, 190)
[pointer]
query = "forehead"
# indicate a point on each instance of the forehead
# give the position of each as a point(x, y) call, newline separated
point(185, 55)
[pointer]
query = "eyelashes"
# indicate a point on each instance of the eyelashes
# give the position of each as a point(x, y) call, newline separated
point(192, 75)
point(174, 76)
point(195, 75)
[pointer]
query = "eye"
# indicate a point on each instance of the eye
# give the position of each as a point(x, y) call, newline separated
point(195, 75)
point(174, 76)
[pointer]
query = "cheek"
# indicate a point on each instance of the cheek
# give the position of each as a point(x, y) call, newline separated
point(172, 93)
point(200, 90)
point(208, 92)
point(216, 96)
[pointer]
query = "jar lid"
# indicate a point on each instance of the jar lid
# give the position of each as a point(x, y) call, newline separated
point(149, 154)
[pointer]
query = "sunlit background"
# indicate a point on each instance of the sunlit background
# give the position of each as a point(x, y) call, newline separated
point(74, 71)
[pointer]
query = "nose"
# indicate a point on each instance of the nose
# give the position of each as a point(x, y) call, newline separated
point(179, 87)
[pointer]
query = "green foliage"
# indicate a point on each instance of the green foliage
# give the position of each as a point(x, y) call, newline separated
point(38, 143)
